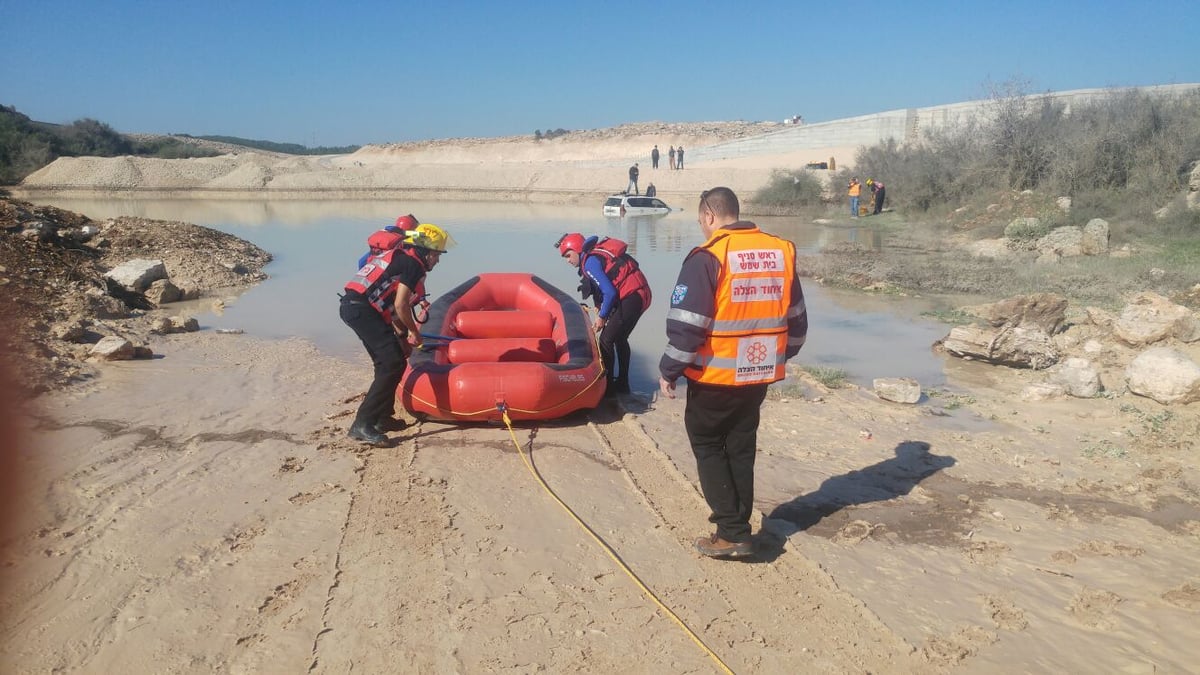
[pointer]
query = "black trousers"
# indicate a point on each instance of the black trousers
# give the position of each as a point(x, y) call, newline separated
point(722, 425)
point(383, 345)
point(614, 340)
point(879, 194)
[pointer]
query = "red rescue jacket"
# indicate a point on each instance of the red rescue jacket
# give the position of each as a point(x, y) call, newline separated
point(621, 269)
point(379, 290)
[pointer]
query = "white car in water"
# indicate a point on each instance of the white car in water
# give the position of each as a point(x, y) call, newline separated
point(633, 205)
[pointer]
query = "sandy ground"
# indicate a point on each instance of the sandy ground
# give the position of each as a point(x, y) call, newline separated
point(203, 512)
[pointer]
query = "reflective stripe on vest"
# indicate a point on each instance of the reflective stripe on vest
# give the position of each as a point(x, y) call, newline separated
point(379, 290)
point(748, 339)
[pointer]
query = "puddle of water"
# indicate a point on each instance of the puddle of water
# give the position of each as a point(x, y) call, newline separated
point(316, 245)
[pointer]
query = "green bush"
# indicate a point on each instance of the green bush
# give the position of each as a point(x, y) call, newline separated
point(284, 148)
point(1026, 229)
point(1124, 154)
point(790, 189)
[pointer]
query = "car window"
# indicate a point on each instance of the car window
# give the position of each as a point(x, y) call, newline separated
point(639, 201)
point(612, 201)
point(658, 204)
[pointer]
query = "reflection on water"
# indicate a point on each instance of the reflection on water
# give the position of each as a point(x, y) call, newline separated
point(317, 243)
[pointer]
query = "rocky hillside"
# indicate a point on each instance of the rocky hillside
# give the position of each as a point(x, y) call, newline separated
point(59, 296)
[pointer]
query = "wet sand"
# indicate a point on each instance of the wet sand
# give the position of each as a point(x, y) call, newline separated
point(204, 511)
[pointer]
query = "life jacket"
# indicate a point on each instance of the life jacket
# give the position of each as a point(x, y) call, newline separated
point(380, 290)
point(620, 267)
point(747, 343)
point(384, 240)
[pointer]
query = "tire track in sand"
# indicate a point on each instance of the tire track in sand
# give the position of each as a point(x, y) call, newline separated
point(781, 614)
point(387, 604)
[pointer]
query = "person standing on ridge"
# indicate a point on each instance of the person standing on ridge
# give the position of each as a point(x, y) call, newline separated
point(671, 157)
point(633, 176)
point(620, 291)
point(377, 306)
point(654, 158)
point(737, 314)
point(679, 157)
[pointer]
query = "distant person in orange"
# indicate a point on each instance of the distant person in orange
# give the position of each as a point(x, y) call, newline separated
point(853, 190)
point(671, 156)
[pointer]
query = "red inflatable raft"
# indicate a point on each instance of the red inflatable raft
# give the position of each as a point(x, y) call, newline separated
point(511, 340)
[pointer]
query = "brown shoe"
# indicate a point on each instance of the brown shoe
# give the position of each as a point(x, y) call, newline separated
point(716, 547)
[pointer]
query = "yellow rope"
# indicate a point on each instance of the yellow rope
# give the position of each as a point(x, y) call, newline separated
point(608, 549)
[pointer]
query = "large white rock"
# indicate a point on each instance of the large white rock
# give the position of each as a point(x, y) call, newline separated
point(1065, 241)
point(1164, 374)
point(162, 292)
point(1077, 377)
point(1015, 346)
point(1095, 237)
point(897, 389)
point(1149, 317)
point(113, 348)
point(138, 274)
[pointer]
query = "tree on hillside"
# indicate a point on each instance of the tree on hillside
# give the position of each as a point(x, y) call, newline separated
point(91, 137)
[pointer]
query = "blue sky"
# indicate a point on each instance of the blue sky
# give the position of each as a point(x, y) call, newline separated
point(368, 72)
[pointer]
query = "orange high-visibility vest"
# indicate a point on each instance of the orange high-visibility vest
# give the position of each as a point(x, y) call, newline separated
point(748, 340)
point(854, 189)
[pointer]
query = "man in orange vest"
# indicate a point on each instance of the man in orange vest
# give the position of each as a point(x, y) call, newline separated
point(852, 191)
point(737, 314)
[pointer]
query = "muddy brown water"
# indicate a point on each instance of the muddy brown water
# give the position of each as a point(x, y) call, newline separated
point(316, 245)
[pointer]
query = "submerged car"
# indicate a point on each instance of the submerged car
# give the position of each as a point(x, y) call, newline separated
point(632, 205)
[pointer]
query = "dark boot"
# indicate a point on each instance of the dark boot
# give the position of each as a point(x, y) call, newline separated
point(361, 431)
point(387, 424)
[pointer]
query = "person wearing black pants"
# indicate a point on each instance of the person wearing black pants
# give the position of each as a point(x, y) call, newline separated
point(737, 315)
point(388, 357)
point(377, 306)
point(722, 426)
point(614, 341)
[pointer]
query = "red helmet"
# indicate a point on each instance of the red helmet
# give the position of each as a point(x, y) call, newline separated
point(570, 242)
point(408, 222)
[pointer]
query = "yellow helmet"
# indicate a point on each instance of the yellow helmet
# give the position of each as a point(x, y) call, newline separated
point(432, 237)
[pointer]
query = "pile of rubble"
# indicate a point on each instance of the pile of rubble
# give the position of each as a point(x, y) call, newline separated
point(74, 290)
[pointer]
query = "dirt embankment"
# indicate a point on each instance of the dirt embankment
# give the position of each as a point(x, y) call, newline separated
point(574, 166)
point(56, 302)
